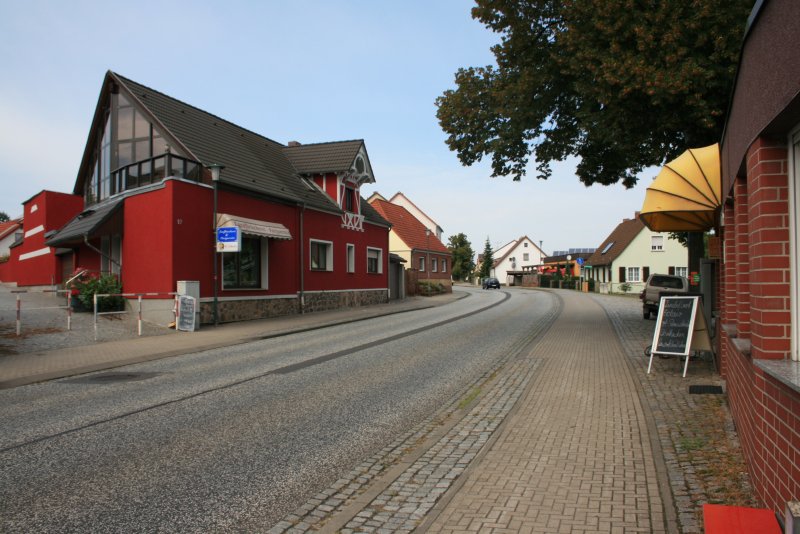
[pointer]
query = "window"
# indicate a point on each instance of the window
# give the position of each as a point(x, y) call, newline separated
point(525, 244)
point(245, 269)
point(374, 260)
point(633, 275)
point(607, 247)
point(434, 265)
point(321, 255)
point(349, 199)
point(682, 271)
point(422, 264)
point(111, 259)
point(526, 256)
point(444, 266)
point(657, 243)
point(351, 258)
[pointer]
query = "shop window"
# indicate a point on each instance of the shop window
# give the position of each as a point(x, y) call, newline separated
point(245, 269)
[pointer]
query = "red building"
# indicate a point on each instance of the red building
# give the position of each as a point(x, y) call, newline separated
point(760, 281)
point(146, 204)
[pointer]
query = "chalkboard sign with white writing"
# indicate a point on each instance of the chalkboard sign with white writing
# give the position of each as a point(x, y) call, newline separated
point(675, 325)
point(186, 312)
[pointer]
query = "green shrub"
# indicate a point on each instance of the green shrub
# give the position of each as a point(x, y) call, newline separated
point(90, 285)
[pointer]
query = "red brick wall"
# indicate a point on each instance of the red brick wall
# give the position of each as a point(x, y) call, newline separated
point(755, 309)
point(768, 214)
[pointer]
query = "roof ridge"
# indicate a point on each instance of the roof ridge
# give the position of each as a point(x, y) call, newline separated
point(301, 145)
point(212, 115)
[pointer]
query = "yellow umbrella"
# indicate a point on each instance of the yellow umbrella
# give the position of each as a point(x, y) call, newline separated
point(686, 194)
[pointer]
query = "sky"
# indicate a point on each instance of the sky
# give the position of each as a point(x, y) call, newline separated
point(305, 70)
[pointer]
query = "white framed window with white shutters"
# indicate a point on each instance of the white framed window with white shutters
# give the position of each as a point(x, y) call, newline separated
point(351, 258)
point(657, 243)
point(633, 275)
point(374, 260)
point(682, 271)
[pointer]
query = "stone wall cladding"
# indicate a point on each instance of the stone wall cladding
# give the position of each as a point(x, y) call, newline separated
point(245, 310)
point(344, 299)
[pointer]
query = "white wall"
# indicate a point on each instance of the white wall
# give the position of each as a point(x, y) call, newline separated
point(640, 254)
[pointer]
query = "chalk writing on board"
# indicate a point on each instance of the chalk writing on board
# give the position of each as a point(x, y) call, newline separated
point(186, 313)
point(675, 323)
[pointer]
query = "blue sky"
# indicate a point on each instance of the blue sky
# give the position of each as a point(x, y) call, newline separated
point(310, 71)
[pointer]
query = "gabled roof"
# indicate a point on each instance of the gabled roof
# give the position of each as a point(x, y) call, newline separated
point(394, 198)
point(9, 227)
point(408, 228)
point(616, 242)
point(252, 162)
point(337, 156)
point(514, 244)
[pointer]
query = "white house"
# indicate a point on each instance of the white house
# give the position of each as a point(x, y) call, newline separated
point(511, 258)
point(631, 253)
point(10, 232)
point(399, 199)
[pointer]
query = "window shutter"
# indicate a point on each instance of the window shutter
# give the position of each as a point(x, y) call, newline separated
point(622, 275)
point(645, 273)
point(671, 270)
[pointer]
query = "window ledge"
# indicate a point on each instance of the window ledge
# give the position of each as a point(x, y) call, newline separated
point(742, 345)
point(785, 371)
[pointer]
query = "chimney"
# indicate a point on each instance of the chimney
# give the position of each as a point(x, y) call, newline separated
point(636, 214)
point(294, 143)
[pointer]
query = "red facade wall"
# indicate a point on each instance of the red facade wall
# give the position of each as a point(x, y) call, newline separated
point(43, 213)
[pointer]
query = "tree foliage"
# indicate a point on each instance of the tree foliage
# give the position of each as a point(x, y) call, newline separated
point(4, 217)
point(487, 260)
point(621, 84)
point(462, 254)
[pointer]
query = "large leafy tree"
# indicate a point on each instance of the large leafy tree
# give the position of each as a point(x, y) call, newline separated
point(487, 260)
point(4, 217)
point(621, 84)
point(462, 254)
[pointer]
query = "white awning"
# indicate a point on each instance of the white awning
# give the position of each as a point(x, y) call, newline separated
point(254, 227)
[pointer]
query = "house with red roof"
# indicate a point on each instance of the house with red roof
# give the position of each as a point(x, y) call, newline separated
point(159, 178)
point(428, 259)
point(10, 232)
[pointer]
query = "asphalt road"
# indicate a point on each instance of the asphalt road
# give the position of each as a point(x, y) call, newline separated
point(234, 439)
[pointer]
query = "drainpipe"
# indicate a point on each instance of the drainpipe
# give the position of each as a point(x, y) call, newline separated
point(302, 262)
point(109, 258)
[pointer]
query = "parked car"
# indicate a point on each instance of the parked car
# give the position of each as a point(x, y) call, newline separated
point(490, 283)
point(655, 286)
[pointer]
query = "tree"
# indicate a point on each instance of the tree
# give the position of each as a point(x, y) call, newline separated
point(4, 217)
point(487, 261)
point(462, 254)
point(620, 84)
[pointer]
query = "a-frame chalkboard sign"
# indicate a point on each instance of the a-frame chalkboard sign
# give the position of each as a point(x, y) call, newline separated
point(679, 329)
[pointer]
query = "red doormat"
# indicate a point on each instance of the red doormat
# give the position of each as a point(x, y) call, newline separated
point(719, 519)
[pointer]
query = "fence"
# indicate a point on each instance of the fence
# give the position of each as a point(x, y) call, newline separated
point(97, 312)
point(18, 292)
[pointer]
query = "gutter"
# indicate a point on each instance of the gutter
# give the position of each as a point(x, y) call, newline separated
point(302, 261)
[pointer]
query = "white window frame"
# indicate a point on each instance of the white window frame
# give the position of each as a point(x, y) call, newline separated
point(380, 260)
point(656, 243)
point(434, 265)
point(350, 254)
point(630, 271)
point(794, 240)
point(526, 256)
point(682, 271)
point(444, 265)
point(328, 255)
point(422, 264)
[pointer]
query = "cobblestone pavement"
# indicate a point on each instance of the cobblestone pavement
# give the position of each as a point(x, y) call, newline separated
point(696, 434)
point(633, 453)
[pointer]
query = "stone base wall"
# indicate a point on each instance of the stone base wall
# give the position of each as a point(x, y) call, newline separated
point(246, 310)
point(344, 299)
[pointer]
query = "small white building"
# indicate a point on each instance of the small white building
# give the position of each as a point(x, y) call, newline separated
point(10, 232)
point(511, 259)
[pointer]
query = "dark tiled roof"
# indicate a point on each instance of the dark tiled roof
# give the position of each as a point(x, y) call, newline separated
point(85, 222)
point(337, 156)
point(408, 227)
point(621, 237)
point(251, 161)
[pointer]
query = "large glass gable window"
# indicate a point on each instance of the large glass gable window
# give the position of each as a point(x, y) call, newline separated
point(131, 152)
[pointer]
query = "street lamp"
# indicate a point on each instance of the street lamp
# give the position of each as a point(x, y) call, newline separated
point(215, 168)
